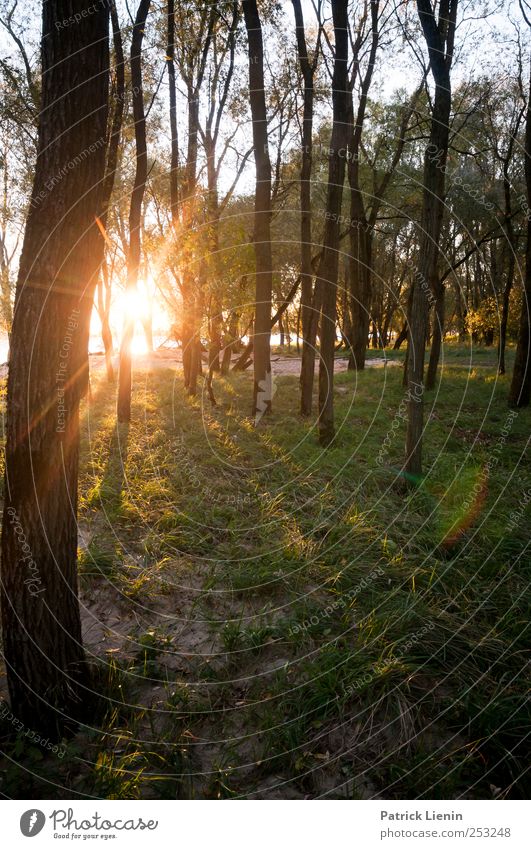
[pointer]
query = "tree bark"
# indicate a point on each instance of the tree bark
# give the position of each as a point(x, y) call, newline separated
point(438, 332)
point(502, 341)
point(262, 389)
point(308, 343)
point(48, 374)
point(328, 267)
point(520, 391)
point(511, 246)
point(439, 38)
point(135, 211)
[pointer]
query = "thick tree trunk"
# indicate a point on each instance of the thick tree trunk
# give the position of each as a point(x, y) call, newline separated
point(439, 39)
point(520, 391)
point(328, 266)
point(263, 389)
point(135, 212)
point(48, 373)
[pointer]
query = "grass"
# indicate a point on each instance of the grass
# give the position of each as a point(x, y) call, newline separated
point(267, 619)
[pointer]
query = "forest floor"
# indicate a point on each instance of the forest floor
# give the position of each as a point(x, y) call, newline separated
point(268, 619)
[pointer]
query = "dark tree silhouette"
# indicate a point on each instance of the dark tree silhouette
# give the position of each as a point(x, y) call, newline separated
point(48, 374)
point(104, 294)
point(309, 313)
point(520, 391)
point(439, 36)
point(135, 212)
point(328, 266)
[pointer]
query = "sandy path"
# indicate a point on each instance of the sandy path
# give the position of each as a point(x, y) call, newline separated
point(171, 358)
point(168, 358)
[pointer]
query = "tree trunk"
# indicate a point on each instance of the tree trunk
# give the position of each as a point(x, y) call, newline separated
point(359, 286)
point(360, 258)
point(308, 344)
point(104, 309)
point(263, 389)
point(439, 38)
point(118, 104)
point(190, 361)
point(402, 336)
point(437, 336)
point(48, 374)
point(328, 266)
point(519, 393)
point(104, 293)
point(222, 73)
point(512, 247)
point(174, 163)
point(505, 311)
point(233, 337)
point(216, 319)
point(135, 212)
point(460, 310)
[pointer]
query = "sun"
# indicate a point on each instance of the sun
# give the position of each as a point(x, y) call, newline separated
point(135, 308)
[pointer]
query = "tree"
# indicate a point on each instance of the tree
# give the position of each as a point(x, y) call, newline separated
point(60, 261)
point(195, 28)
point(439, 37)
point(520, 390)
point(104, 292)
point(174, 161)
point(360, 257)
point(135, 211)
point(221, 72)
point(309, 315)
point(262, 389)
point(328, 267)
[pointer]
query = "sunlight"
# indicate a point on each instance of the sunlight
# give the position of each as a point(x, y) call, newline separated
point(134, 305)
point(139, 345)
